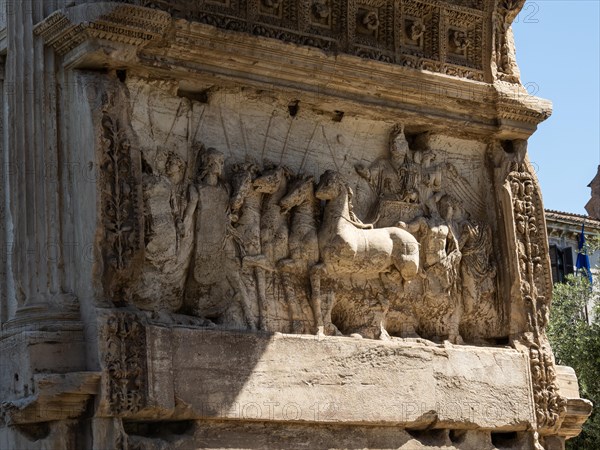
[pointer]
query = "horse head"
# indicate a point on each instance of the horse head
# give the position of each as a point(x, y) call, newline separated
point(300, 191)
point(241, 181)
point(271, 179)
point(331, 185)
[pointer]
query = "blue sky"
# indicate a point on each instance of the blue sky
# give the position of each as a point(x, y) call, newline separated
point(558, 52)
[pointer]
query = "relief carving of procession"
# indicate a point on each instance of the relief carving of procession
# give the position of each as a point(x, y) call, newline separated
point(254, 245)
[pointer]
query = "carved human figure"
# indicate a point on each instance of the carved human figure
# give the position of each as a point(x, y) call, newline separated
point(216, 259)
point(272, 183)
point(274, 226)
point(169, 214)
point(246, 204)
point(477, 268)
point(431, 180)
point(387, 176)
point(412, 179)
point(441, 260)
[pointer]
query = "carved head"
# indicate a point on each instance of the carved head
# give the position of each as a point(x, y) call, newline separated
point(447, 206)
point(211, 163)
point(175, 168)
point(428, 157)
point(331, 185)
point(300, 191)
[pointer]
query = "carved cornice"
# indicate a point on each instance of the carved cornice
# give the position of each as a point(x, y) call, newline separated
point(66, 29)
point(126, 36)
point(449, 37)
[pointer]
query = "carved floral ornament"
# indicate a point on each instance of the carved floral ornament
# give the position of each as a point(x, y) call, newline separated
point(321, 9)
point(124, 353)
point(530, 237)
point(416, 30)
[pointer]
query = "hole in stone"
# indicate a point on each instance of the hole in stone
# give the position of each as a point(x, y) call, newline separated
point(293, 108)
point(458, 436)
point(16, 377)
point(504, 340)
point(122, 75)
point(508, 146)
point(507, 439)
point(155, 429)
point(34, 432)
point(200, 97)
point(429, 437)
point(338, 116)
point(146, 167)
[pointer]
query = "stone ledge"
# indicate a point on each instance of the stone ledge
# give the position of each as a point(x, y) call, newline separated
point(100, 38)
point(56, 397)
point(207, 374)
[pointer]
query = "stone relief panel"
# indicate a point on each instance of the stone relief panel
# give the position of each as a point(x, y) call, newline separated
point(261, 215)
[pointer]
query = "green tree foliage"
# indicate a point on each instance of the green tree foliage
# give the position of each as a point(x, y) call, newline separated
point(574, 333)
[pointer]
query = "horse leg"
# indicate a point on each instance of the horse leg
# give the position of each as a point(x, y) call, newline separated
point(328, 324)
point(316, 273)
point(241, 297)
point(286, 268)
point(384, 301)
point(454, 321)
point(259, 274)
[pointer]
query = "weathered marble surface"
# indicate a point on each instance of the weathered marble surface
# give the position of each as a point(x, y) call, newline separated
point(213, 206)
point(337, 380)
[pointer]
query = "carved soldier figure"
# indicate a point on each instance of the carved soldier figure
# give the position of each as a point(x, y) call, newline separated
point(441, 254)
point(388, 175)
point(431, 180)
point(216, 262)
point(169, 215)
point(477, 269)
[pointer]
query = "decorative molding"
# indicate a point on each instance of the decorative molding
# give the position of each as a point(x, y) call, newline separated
point(121, 205)
point(64, 30)
point(536, 291)
point(438, 36)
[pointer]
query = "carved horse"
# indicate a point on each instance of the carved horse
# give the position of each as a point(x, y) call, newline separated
point(273, 222)
point(303, 240)
point(347, 246)
point(245, 205)
point(274, 226)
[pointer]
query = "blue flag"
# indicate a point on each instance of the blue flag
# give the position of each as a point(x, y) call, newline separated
point(583, 260)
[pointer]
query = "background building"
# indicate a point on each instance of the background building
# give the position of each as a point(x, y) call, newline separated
point(563, 236)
